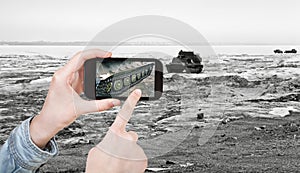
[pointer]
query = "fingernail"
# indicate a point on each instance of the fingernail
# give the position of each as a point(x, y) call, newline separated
point(138, 92)
point(116, 102)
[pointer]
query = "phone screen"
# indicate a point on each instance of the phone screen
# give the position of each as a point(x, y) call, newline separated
point(118, 77)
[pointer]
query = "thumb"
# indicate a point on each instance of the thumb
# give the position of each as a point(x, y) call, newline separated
point(96, 105)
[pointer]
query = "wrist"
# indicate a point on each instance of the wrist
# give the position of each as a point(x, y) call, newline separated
point(42, 130)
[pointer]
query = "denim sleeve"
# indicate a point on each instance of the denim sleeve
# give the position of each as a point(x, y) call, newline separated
point(20, 154)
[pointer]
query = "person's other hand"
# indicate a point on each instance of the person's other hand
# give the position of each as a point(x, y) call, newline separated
point(118, 152)
point(63, 103)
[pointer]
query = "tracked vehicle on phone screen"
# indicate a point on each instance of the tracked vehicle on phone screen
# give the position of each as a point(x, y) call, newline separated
point(185, 62)
point(120, 82)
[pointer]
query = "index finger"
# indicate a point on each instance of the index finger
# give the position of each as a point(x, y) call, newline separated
point(126, 112)
point(79, 58)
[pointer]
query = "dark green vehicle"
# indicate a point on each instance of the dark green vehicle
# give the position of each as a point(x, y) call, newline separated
point(118, 83)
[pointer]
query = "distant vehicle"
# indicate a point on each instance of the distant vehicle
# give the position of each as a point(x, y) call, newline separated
point(278, 51)
point(185, 62)
point(291, 51)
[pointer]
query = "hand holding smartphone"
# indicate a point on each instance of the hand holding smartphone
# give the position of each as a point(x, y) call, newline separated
point(117, 77)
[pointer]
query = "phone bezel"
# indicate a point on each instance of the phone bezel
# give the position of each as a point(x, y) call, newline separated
point(90, 75)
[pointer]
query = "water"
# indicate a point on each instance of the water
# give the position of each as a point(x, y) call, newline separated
point(60, 51)
point(53, 51)
point(252, 49)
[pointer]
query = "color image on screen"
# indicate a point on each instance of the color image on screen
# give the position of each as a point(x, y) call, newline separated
point(116, 78)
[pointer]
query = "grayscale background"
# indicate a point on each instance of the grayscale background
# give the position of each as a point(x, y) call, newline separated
point(258, 106)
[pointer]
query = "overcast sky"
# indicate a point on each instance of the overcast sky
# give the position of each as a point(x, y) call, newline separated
point(221, 21)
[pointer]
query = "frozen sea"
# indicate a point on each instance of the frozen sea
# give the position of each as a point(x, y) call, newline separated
point(237, 81)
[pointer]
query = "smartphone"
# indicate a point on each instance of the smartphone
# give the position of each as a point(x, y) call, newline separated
point(118, 77)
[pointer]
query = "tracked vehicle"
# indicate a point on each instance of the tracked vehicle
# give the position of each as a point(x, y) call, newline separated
point(185, 62)
point(118, 83)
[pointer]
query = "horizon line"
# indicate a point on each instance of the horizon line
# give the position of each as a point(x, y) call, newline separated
point(84, 43)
